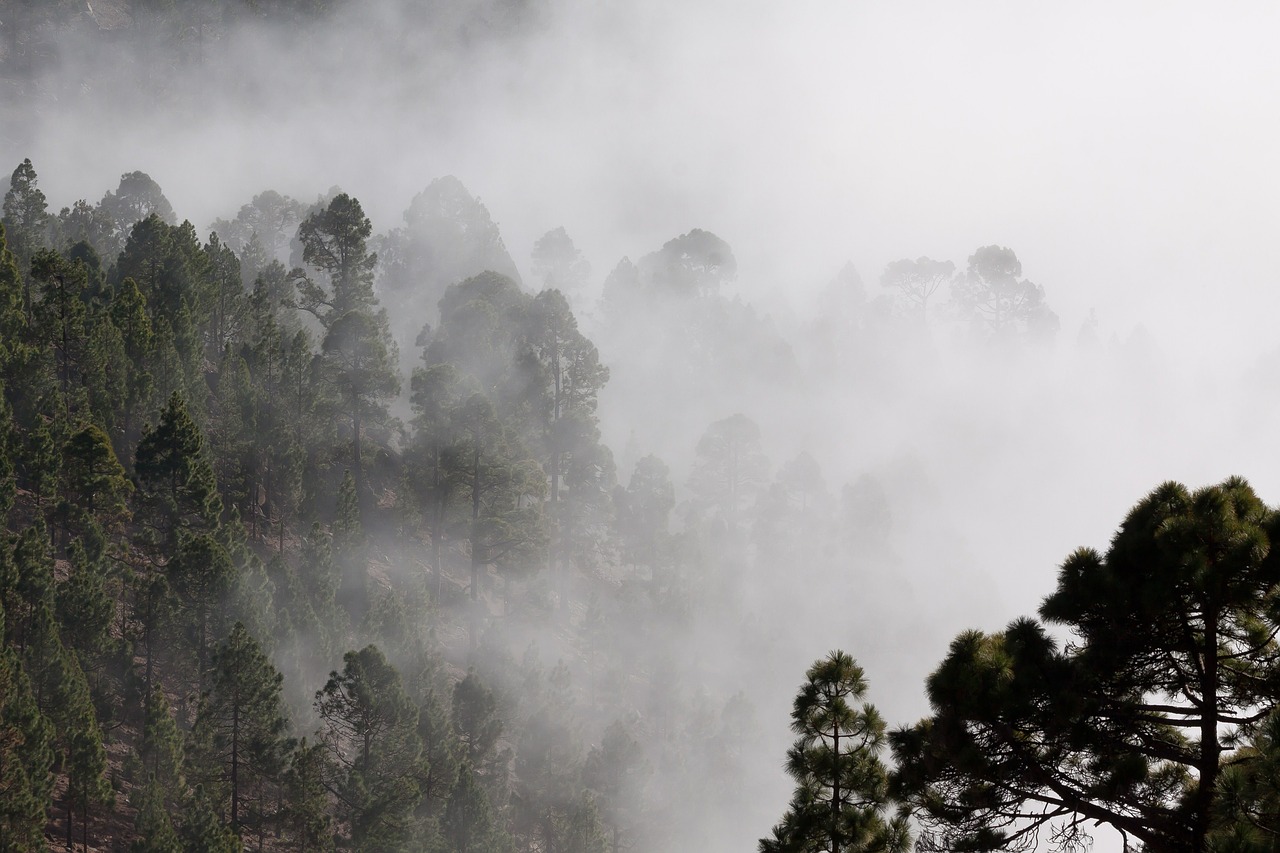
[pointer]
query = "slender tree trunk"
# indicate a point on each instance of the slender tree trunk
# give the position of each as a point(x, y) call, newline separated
point(835, 794)
point(235, 768)
point(1209, 748)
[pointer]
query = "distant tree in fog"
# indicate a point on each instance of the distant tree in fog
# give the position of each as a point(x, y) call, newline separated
point(558, 265)
point(917, 280)
point(730, 468)
point(998, 303)
point(842, 788)
point(359, 360)
point(644, 510)
point(26, 217)
point(448, 236)
point(272, 217)
point(137, 197)
point(694, 264)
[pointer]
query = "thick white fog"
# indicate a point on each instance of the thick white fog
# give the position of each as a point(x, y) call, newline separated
point(1127, 154)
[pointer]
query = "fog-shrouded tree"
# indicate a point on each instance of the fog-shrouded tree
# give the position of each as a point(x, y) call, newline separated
point(842, 785)
point(1130, 719)
point(916, 281)
point(448, 236)
point(137, 197)
point(730, 468)
point(558, 265)
point(644, 512)
point(371, 737)
point(997, 302)
point(568, 379)
point(358, 358)
point(271, 217)
point(26, 220)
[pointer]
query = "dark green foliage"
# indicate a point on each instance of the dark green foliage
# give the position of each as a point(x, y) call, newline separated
point(307, 813)
point(95, 487)
point(26, 758)
point(469, 824)
point(153, 825)
point(841, 784)
point(371, 738)
point(161, 750)
point(475, 719)
point(203, 577)
point(202, 830)
point(175, 479)
point(241, 726)
point(358, 357)
point(1171, 646)
point(26, 219)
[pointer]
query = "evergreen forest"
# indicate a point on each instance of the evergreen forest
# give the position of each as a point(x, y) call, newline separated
point(323, 529)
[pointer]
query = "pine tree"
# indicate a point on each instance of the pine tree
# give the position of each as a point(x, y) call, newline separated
point(202, 831)
point(242, 721)
point(128, 312)
point(469, 824)
point(203, 576)
point(26, 217)
point(371, 736)
point(176, 482)
point(307, 809)
point(475, 719)
point(153, 826)
point(94, 482)
point(350, 555)
point(358, 358)
point(161, 751)
point(59, 318)
point(841, 784)
point(26, 757)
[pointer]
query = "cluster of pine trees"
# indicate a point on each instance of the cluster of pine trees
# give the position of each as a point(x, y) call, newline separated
point(200, 475)
point(1144, 699)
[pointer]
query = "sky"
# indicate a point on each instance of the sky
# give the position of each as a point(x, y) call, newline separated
point(1126, 152)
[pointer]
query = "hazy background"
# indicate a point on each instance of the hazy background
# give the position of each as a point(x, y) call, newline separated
point(1127, 154)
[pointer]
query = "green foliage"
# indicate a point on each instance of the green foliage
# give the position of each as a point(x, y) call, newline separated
point(153, 826)
point(469, 824)
point(161, 749)
point(372, 741)
point(307, 812)
point(841, 784)
point(175, 479)
point(241, 724)
point(202, 831)
point(26, 214)
point(1171, 646)
point(94, 482)
point(26, 758)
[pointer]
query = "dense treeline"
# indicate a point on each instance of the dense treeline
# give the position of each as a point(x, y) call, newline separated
point(286, 569)
point(201, 474)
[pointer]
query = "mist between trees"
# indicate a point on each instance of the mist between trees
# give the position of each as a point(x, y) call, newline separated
point(287, 569)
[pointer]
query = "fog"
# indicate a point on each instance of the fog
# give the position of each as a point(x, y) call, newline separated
point(1126, 154)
